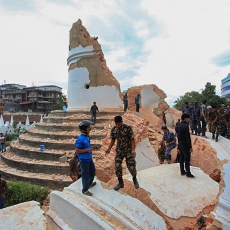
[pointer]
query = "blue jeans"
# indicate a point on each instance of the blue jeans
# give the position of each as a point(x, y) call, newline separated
point(3, 146)
point(1, 202)
point(87, 174)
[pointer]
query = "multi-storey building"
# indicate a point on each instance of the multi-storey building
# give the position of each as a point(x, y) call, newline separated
point(225, 87)
point(32, 99)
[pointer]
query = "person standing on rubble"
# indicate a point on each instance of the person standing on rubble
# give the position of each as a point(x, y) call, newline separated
point(125, 101)
point(170, 142)
point(125, 149)
point(84, 152)
point(93, 111)
point(184, 145)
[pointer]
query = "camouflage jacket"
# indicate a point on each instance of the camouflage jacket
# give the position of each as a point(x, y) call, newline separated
point(213, 115)
point(123, 136)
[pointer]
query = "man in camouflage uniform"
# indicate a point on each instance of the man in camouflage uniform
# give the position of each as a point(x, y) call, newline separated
point(209, 109)
point(203, 112)
point(161, 153)
point(125, 149)
point(188, 110)
point(170, 140)
point(222, 119)
point(195, 118)
point(214, 115)
point(228, 121)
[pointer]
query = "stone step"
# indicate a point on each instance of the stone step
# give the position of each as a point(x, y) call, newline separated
point(35, 153)
point(53, 181)
point(57, 113)
point(25, 151)
point(32, 165)
point(60, 127)
point(77, 120)
point(53, 144)
point(64, 135)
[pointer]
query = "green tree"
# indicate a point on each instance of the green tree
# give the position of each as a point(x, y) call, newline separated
point(208, 93)
point(189, 97)
point(59, 104)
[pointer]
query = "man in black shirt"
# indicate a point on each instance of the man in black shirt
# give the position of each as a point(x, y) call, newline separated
point(184, 145)
point(93, 111)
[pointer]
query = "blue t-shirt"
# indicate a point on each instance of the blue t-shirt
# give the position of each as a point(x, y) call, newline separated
point(137, 101)
point(83, 142)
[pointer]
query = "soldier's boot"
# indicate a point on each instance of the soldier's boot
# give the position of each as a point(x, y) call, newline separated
point(120, 184)
point(217, 138)
point(213, 136)
point(135, 182)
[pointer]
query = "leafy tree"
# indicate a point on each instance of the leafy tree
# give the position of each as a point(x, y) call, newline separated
point(208, 93)
point(189, 97)
point(59, 104)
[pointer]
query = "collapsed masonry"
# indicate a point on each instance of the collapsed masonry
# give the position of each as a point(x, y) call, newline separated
point(165, 199)
point(89, 77)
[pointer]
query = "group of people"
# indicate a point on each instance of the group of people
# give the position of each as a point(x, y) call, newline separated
point(137, 102)
point(125, 148)
point(217, 120)
point(184, 147)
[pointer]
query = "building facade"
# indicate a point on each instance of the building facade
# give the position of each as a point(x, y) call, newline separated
point(29, 99)
point(225, 87)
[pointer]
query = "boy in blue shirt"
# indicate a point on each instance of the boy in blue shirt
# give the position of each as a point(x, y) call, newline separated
point(84, 152)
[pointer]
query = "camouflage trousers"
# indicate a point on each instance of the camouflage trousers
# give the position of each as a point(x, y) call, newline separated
point(161, 156)
point(130, 162)
point(222, 127)
point(168, 151)
point(215, 128)
point(228, 132)
point(209, 125)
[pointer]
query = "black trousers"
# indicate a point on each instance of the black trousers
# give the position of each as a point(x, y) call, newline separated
point(203, 126)
point(185, 156)
point(137, 107)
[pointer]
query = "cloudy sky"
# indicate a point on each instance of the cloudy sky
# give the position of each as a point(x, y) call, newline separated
point(179, 45)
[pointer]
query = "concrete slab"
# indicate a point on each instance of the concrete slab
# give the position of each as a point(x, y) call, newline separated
point(106, 209)
point(177, 195)
point(24, 216)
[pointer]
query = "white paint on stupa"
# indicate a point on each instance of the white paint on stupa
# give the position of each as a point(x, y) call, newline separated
point(78, 53)
point(222, 212)
point(145, 155)
point(177, 195)
point(27, 121)
point(149, 98)
point(169, 120)
point(106, 209)
point(11, 120)
point(81, 98)
point(24, 216)
point(1, 121)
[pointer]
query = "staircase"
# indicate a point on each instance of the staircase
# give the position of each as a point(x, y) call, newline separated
point(25, 162)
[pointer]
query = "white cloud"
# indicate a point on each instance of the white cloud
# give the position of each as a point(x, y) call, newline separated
point(170, 44)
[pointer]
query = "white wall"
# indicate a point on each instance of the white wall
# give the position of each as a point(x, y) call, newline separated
point(149, 98)
point(80, 98)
